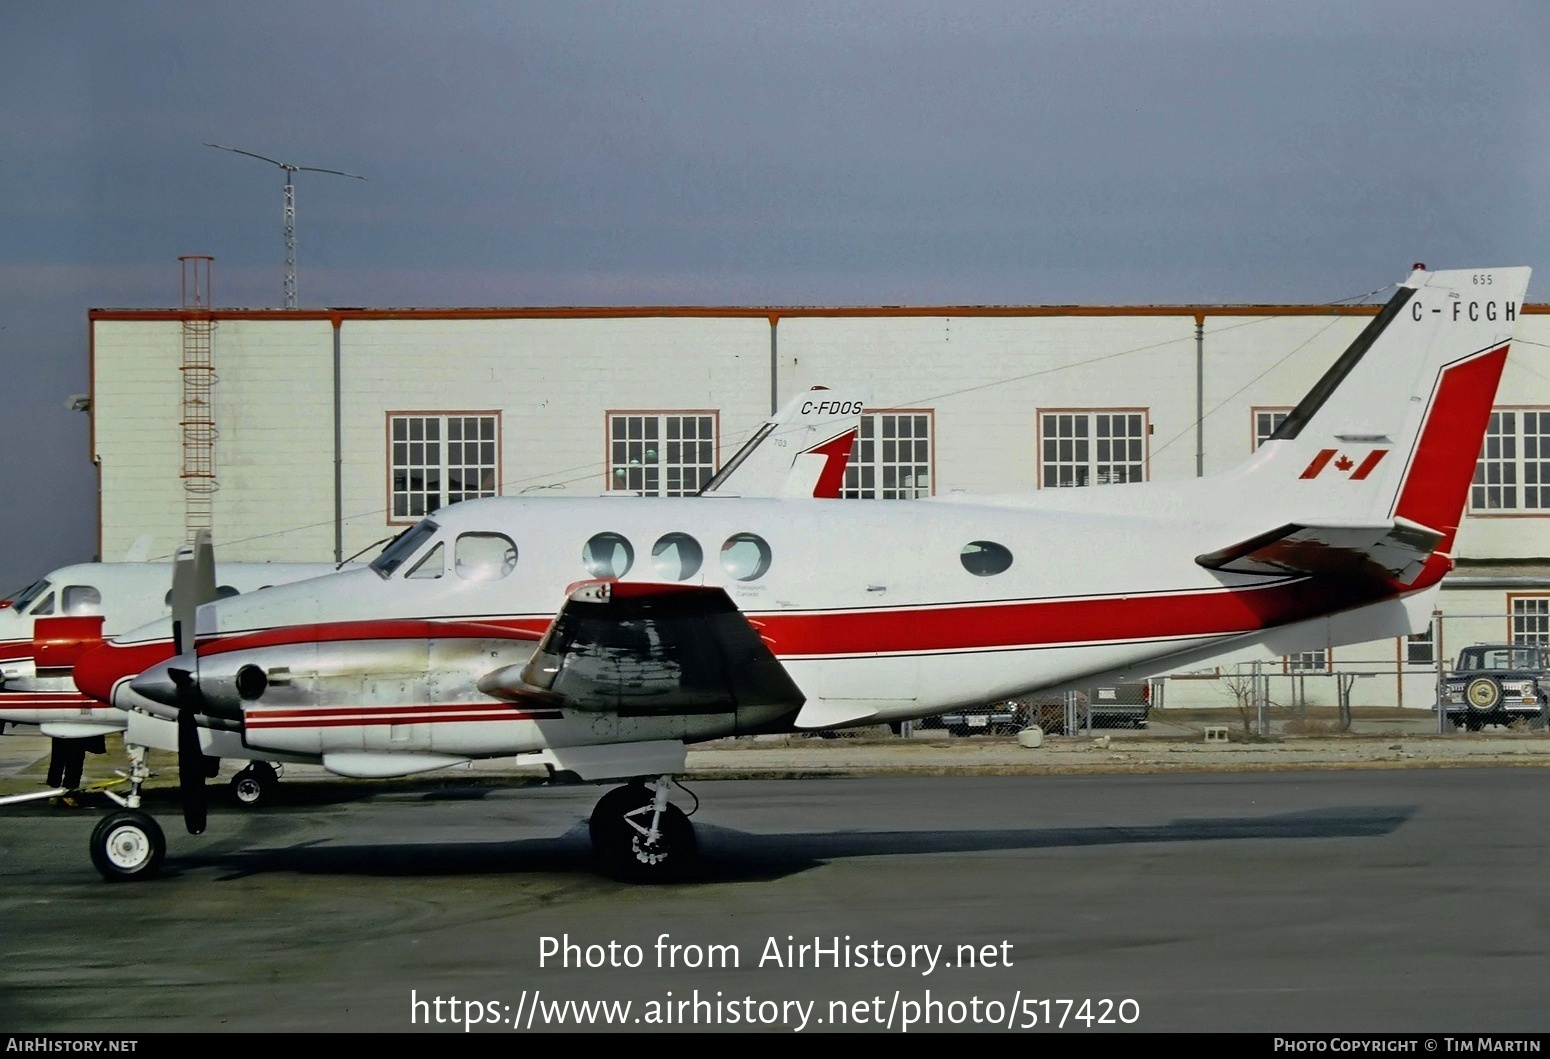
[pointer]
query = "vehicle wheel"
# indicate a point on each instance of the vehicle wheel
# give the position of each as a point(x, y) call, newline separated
point(255, 785)
point(632, 858)
point(128, 845)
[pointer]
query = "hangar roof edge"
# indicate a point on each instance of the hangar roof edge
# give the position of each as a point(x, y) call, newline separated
point(769, 312)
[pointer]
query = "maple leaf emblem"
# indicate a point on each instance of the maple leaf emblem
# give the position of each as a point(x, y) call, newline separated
point(1343, 463)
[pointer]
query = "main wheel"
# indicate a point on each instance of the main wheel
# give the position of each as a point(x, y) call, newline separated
point(128, 845)
point(608, 815)
point(255, 785)
point(632, 857)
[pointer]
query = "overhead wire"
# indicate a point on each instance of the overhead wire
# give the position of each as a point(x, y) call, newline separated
point(590, 470)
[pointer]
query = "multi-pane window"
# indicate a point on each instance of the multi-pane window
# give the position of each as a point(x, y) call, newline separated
point(661, 454)
point(1531, 619)
point(440, 459)
point(1513, 471)
point(1420, 648)
point(1308, 662)
point(1266, 422)
point(1091, 448)
point(891, 457)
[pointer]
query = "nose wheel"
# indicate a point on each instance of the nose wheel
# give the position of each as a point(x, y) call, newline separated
point(128, 845)
point(640, 835)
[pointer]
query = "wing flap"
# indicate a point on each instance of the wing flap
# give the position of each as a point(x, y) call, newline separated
point(645, 650)
point(1394, 550)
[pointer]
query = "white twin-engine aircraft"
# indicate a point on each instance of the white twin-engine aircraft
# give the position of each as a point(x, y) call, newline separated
point(70, 611)
point(689, 619)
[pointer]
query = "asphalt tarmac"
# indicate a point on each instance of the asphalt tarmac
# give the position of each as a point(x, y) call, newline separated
point(1381, 899)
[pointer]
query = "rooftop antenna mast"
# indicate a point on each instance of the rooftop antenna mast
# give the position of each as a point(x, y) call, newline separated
point(290, 211)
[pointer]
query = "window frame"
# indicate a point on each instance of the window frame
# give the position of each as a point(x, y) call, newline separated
point(1038, 445)
point(1518, 461)
point(1513, 599)
point(847, 491)
point(443, 415)
point(662, 414)
point(1255, 441)
point(1293, 670)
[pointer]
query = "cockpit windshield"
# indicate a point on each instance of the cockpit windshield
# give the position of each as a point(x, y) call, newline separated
point(32, 592)
point(405, 545)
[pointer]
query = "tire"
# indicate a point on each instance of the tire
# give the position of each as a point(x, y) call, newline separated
point(128, 845)
point(630, 859)
point(607, 818)
point(255, 786)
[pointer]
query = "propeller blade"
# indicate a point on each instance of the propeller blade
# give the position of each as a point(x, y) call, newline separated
point(191, 772)
point(193, 584)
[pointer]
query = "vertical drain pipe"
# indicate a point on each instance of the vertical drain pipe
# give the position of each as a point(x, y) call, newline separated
point(338, 321)
point(774, 365)
point(1200, 395)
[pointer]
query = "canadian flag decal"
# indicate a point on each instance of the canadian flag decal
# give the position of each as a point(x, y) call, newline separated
point(1344, 464)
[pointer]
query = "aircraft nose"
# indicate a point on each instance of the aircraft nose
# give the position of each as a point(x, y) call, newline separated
point(100, 670)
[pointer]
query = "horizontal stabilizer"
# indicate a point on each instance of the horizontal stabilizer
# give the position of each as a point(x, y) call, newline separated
point(645, 650)
point(1394, 550)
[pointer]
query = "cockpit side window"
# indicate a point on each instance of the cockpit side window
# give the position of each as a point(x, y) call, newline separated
point(405, 545)
point(81, 599)
point(485, 556)
point(46, 606)
point(430, 567)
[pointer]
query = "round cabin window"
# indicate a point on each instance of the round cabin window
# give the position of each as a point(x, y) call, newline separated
point(745, 556)
point(676, 557)
point(985, 558)
point(607, 555)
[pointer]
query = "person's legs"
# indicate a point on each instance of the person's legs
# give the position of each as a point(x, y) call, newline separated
point(75, 761)
point(56, 763)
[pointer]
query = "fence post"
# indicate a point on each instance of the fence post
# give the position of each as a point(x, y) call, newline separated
point(1437, 659)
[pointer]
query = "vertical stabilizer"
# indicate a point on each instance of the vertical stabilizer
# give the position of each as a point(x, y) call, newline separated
point(1392, 431)
point(800, 451)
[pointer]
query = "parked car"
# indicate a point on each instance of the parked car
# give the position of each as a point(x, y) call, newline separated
point(1108, 706)
point(993, 718)
point(1111, 705)
point(1497, 684)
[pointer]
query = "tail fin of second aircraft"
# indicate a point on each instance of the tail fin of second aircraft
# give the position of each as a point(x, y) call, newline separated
point(1384, 445)
point(800, 451)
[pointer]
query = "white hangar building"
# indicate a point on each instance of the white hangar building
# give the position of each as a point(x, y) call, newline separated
point(311, 434)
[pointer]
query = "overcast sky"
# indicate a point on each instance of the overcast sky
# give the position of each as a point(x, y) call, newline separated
point(727, 153)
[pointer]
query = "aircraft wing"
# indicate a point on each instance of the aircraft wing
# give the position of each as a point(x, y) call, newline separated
point(645, 650)
point(1394, 550)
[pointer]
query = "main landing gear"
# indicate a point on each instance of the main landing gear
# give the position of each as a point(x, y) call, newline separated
point(255, 785)
point(640, 835)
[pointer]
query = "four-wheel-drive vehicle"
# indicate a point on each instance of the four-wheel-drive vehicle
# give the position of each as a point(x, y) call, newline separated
point(1497, 684)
